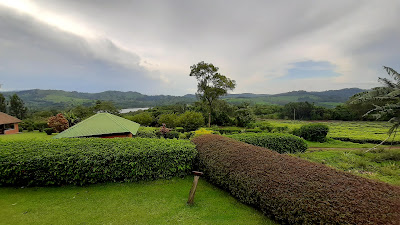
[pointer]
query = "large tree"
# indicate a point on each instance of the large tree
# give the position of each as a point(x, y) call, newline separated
point(211, 84)
point(17, 107)
point(3, 105)
point(385, 99)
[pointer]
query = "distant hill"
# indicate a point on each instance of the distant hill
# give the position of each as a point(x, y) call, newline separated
point(57, 99)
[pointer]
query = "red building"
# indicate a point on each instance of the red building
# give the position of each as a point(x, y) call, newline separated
point(8, 124)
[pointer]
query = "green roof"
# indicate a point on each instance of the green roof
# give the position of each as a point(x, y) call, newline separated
point(100, 124)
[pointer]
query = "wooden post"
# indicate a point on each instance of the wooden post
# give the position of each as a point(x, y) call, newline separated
point(197, 175)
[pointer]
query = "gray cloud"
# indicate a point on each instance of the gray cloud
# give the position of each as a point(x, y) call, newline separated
point(254, 42)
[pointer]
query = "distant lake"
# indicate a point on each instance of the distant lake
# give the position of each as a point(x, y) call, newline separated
point(132, 110)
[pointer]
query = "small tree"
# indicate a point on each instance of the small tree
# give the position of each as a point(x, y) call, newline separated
point(169, 119)
point(58, 122)
point(211, 84)
point(144, 118)
point(17, 107)
point(190, 120)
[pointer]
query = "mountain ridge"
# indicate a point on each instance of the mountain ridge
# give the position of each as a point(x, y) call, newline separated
point(56, 99)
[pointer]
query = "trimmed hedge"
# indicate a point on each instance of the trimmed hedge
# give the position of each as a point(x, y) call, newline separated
point(313, 132)
point(292, 190)
point(282, 143)
point(92, 160)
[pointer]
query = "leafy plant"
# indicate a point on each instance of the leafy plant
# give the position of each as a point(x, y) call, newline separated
point(92, 160)
point(313, 132)
point(282, 143)
point(58, 122)
point(292, 190)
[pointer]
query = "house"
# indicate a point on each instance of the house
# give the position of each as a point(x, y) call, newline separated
point(8, 124)
point(103, 125)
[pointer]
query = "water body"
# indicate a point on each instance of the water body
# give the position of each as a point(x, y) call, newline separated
point(132, 110)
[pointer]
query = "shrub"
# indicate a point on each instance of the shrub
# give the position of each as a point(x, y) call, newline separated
point(282, 143)
point(314, 132)
point(146, 132)
point(202, 131)
point(172, 135)
point(92, 160)
point(40, 126)
point(30, 129)
point(144, 119)
point(58, 122)
point(228, 130)
point(191, 120)
point(179, 129)
point(169, 119)
point(49, 131)
point(292, 190)
point(243, 117)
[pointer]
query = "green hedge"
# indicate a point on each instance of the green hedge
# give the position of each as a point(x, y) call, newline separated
point(313, 132)
point(92, 160)
point(282, 143)
point(292, 190)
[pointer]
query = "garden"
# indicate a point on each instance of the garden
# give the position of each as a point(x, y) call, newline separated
point(147, 178)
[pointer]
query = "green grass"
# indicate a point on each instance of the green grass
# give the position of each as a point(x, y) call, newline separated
point(380, 164)
point(331, 143)
point(26, 136)
point(357, 130)
point(156, 202)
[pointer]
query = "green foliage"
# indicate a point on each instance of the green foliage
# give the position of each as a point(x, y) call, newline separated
point(146, 132)
point(17, 107)
point(211, 84)
point(92, 160)
point(180, 129)
point(3, 104)
point(170, 119)
point(389, 98)
point(282, 143)
point(144, 119)
point(244, 116)
point(172, 134)
point(49, 131)
point(313, 132)
point(190, 120)
point(30, 129)
point(292, 190)
point(228, 130)
point(105, 107)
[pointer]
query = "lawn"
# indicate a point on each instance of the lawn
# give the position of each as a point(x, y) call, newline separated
point(155, 202)
point(26, 136)
point(379, 164)
point(356, 130)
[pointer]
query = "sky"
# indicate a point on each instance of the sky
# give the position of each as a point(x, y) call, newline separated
point(267, 47)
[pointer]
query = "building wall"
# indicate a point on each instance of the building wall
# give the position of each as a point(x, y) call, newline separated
point(116, 135)
point(13, 131)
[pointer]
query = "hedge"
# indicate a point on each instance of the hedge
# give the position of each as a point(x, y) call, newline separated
point(282, 143)
point(313, 132)
point(92, 160)
point(292, 190)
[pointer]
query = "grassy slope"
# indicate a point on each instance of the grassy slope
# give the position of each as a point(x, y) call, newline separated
point(26, 136)
point(156, 202)
point(351, 129)
point(383, 165)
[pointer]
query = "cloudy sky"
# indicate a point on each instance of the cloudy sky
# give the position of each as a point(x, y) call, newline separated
point(149, 46)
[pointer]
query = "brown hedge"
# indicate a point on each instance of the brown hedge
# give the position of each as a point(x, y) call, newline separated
point(295, 191)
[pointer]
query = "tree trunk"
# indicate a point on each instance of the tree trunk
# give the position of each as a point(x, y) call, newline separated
point(209, 119)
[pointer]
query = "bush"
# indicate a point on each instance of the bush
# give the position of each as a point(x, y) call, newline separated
point(179, 129)
point(191, 120)
point(172, 134)
point(282, 143)
point(146, 132)
point(169, 120)
point(58, 123)
point(295, 191)
point(228, 130)
point(49, 131)
point(92, 160)
point(40, 126)
point(314, 132)
point(144, 119)
point(243, 117)
point(30, 129)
